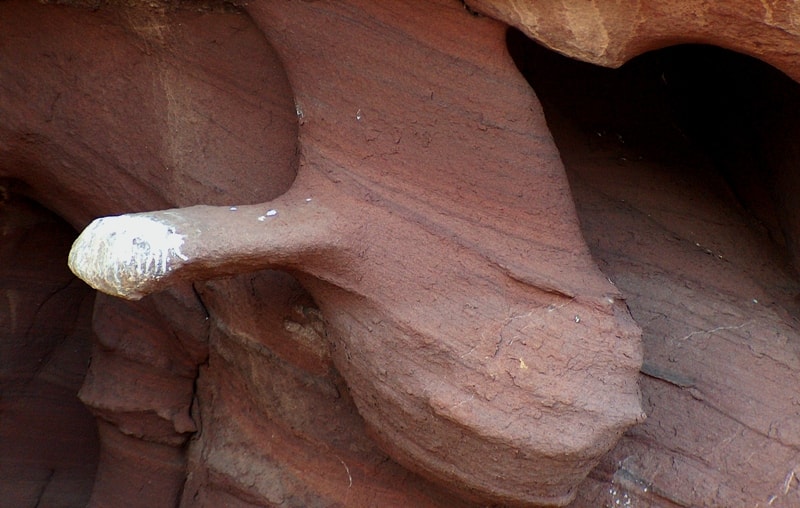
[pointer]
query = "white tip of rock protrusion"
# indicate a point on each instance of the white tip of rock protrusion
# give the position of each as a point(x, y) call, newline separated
point(123, 255)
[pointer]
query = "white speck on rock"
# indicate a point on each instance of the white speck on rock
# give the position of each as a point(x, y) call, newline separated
point(233, 208)
point(272, 213)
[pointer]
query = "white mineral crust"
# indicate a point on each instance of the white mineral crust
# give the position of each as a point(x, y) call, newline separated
point(122, 255)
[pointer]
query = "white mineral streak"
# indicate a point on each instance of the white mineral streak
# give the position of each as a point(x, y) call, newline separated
point(122, 255)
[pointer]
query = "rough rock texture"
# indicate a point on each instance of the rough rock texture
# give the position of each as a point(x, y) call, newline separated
point(140, 385)
point(278, 424)
point(143, 123)
point(611, 33)
point(673, 200)
point(457, 345)
point(131, 108)
point(504, 370)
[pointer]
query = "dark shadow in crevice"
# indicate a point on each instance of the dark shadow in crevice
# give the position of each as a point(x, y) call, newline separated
point(48, 439)
point(678, 104)
point(682, 165)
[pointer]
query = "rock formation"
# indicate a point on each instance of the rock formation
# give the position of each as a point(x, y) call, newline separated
point(352, 272)
point(513, 358)
point(612, 33)
point(686, 233)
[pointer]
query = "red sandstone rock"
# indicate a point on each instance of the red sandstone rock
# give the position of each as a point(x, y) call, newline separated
point(48, 442)
point(712, 288)
point(611, 33)
point(129, 108)
point(278, 424)
point(429, 227)
point(141, 107)
point(480, 349)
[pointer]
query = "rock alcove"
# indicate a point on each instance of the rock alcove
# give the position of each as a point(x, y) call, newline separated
point(682, 164)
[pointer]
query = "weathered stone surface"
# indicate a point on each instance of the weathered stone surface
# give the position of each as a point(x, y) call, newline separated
point(131, 108)
point(504, 370)
point(667, 194)
point(136, 107)
point(455, 321)
point(140, 386)
point(278, 424)
point(611, 33)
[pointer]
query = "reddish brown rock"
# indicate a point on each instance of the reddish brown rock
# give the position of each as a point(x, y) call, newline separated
point(611, 33)
point(48, 442)
point(659, 187)
point(455, 321)
point(277, 423)
point(139, 107)
point(145, 122)
point(140, 386)
point(504, 368)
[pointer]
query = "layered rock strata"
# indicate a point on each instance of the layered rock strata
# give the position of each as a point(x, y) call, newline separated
point(403, 308)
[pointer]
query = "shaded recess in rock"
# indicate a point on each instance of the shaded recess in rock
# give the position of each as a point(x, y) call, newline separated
point(48, 440)
point(742, 114)
point(680, 164)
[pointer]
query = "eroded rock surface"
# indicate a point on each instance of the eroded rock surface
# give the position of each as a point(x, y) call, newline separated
point(679, 205)
point(444, 338)
point(135, 107)
point(504, 371)
point(611, 33)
